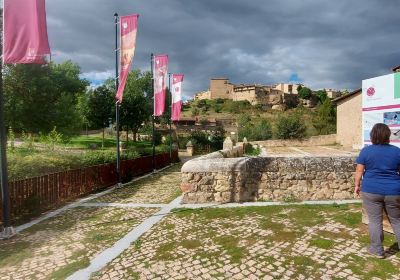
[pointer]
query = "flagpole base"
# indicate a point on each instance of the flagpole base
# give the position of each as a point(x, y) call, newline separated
point(7, 233)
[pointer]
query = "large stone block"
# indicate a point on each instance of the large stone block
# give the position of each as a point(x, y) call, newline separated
point(318, 164)
point(344, 164)
point(291, 164)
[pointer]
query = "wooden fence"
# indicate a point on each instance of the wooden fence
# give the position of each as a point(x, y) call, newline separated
point(32, 196)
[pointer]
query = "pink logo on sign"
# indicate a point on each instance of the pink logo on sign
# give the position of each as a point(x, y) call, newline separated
point(370, 91)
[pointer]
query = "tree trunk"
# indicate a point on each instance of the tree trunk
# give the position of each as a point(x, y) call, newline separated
point(127, 136)
point(134, 134)
point(102, 143)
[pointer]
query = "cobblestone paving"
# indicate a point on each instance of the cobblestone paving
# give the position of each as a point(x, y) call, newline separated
point(59, 246)
point(295, 242)
point(162, 187)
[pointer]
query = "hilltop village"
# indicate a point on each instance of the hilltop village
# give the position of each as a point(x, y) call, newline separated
point(278, 96)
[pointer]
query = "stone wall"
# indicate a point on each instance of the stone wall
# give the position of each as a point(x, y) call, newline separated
point(215, 178)
point(319, 140)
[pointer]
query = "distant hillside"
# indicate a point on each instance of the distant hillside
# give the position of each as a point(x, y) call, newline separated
point(228, 109)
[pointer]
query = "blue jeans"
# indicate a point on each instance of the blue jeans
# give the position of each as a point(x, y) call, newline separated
point(374, 205)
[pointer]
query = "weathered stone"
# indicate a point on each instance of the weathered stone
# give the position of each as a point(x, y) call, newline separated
point(186, 187)
point(207, 180)
point(222, 186)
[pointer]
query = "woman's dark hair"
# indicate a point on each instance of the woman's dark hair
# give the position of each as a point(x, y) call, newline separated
point(380, 134)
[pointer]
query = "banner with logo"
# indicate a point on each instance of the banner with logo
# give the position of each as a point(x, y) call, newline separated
point(176, 92)
point(25, 32)
point(381, 104)
point(128, 30)
point(160, 83)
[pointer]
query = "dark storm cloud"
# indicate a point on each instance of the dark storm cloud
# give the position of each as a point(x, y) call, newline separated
point(326, 43)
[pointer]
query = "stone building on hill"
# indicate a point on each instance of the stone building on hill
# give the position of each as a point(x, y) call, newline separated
point(221, 88)
point(287, 88)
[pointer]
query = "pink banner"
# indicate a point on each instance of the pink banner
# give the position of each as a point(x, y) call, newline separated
point(160, 83)
point(25, 31)
point(176, 91)
point(128, 29)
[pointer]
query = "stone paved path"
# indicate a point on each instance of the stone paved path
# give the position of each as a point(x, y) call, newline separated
point(265, 242)
point(298, 242)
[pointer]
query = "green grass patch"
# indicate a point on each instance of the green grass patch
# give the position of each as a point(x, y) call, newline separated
point(190, 244)
point(371, 267)
point(133, 274)
point(70, 268)
point(230, 245)
point(322, 243)
point(14, 252)
point(165, 252)
point(348, 218)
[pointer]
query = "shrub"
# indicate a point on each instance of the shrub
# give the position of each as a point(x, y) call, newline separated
point(238, 106)
point(258, 131)
point(217, 108)
point(157, 138)
point(199, 139)
point(169, 140)
point(305, 93)
point(11, 137)
point(194, 111)
point(251, 151)
point(325, 119)
point(99, 157)
point(204, 122)
point(182, 141)
point(217, 139)
point(28, 141)
point(52, 139)
point(291, 127)
point(262, 131)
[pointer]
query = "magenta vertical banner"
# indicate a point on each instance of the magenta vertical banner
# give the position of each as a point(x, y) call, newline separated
point(128, 29)
point(160, 83)
point(177, 80)
point(25, 31)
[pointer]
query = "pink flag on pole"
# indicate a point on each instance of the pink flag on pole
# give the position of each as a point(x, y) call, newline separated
point(176, 90)
point(128, 29)
point(160, 83)
point(25, 31)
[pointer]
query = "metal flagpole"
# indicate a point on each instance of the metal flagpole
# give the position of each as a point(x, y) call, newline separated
point(117, 104)
point(153, 119)
point(170, 118)
point(8, 230)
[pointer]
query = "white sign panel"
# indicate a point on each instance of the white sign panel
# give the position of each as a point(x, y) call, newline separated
point(381, 104)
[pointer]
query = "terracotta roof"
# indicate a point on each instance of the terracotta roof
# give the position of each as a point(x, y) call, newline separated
point(344, 97)
point(395, 69)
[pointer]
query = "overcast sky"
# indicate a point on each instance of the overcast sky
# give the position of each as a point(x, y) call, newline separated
point(322, 43)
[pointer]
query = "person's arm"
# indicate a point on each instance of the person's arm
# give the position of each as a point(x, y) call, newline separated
point(357, 179)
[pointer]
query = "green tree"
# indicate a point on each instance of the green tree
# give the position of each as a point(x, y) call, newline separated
point(325, 118)
point(299, 87)
point(321, 95)
point(136, 108)
point(40, 97)
point(291, 127)
point(100, 107)
point(305, 93)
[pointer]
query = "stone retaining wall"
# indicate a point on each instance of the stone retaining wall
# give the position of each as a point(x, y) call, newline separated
point(215, 178)
point(319, 140)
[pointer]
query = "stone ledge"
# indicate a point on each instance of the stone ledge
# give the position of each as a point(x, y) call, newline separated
point(214, 178)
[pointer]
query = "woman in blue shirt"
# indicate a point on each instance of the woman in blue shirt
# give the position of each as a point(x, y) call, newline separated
point(377, 177)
